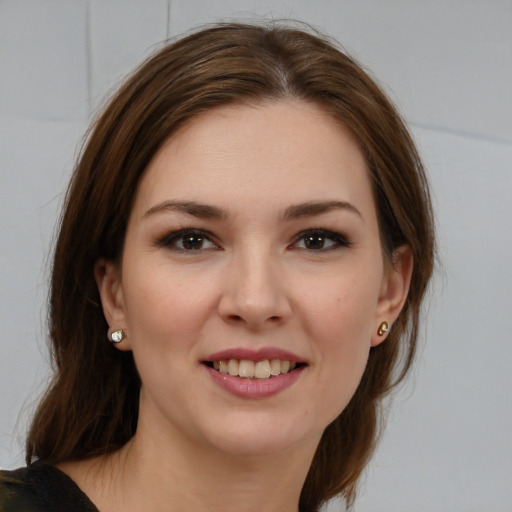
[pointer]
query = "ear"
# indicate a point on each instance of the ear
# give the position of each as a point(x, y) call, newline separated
point(108, 280)
point(394, 290)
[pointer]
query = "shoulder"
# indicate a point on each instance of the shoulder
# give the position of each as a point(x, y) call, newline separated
point(16, 492)
point(41, 488)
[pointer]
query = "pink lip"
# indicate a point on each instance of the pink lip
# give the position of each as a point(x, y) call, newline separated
point(255, 355)
point(254, 388)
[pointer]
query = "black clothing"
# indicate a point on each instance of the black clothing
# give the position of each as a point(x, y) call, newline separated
point(41, 488)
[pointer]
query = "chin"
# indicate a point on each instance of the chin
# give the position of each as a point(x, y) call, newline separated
point(260, 436)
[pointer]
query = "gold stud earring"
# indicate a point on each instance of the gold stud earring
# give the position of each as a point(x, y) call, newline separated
point(383, 328)
point(117, 336)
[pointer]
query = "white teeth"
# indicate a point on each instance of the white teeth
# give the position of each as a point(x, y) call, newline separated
point(275, 367)
point(246, 369)
point(262, 369)
point(249, 369)
point(233, 367)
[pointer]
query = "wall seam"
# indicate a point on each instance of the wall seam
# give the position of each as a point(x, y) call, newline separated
point(461, 133)
point(168, 19)
point(88, 49)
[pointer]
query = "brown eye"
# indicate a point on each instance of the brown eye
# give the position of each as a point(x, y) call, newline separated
point(314, 242)
point(320, 240)
point(188, 240)
point(192, 242)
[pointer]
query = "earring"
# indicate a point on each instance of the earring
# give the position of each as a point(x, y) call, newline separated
point(116, 336)
point(383, 328)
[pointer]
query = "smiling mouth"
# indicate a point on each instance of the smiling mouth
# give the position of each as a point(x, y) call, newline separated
point(261, 370)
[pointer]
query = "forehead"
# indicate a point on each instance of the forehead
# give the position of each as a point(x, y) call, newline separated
point(272, 152)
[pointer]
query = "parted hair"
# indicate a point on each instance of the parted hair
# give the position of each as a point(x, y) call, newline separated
point(91, 404)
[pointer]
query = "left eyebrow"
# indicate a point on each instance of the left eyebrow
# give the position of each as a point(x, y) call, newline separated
point(317, 208)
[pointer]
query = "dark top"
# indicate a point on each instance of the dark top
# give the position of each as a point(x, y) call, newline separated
point(41, 488)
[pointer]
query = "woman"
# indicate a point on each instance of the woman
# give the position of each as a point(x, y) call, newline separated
point(250, 222)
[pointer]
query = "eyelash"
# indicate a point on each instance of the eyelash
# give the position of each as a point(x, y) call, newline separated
point(170, 240)
point(340, 241)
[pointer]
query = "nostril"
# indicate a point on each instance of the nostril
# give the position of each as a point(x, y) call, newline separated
point(238, 318)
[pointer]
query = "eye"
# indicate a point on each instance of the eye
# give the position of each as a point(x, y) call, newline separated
point(320, 240)
point(188, 240)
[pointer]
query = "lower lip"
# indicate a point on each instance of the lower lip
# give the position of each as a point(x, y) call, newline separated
point(255, 388)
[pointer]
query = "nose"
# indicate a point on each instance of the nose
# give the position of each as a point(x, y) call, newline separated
point(254, 293)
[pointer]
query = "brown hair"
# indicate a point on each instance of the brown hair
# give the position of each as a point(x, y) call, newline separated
point(91, 405)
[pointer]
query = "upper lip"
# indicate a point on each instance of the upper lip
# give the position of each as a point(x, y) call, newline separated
point(255, 355)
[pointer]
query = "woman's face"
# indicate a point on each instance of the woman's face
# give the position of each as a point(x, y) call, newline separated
point(253, 243)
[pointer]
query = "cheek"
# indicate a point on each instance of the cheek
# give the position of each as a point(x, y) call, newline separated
point(163, 321)
point(343, 338)
point(340, 323)
point(163, 299)
point(343, 309)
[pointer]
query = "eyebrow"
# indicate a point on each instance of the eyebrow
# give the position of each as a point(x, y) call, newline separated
point(317, 208)
point(201, 210)
point(296, 211)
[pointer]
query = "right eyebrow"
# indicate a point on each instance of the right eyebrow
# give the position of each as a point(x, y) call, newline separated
point(201, 210)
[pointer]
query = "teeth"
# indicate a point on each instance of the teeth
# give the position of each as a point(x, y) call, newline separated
point(275, 367)
point(246, 369)
point(249, 369)
point(262, 369)
point(233, 367)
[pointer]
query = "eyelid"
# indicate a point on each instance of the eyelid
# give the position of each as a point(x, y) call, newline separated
point(341, 240)
point(172, 236)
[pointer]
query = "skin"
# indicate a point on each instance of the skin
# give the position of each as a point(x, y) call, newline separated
point(254, 282)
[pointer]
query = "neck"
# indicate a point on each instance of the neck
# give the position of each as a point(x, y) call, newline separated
point(176, 474)
point(194, 478)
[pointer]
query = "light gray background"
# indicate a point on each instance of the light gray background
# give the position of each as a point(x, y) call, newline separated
point(449, 67)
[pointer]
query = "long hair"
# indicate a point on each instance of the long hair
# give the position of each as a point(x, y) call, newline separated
point(91, 405)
